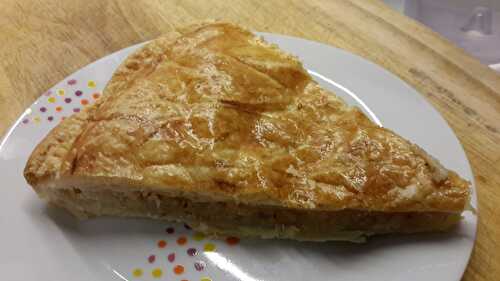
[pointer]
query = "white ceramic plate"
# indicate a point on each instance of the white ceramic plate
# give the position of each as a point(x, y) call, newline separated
point(41, 243)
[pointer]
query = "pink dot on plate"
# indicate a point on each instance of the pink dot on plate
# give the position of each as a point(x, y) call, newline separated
point(192, 252)
point(25, 121)
point(170, 230)
point(78, 93)
point(76, 109)
point(199, 265)
point(48, 93)
point(72, 82)
point(43, 109)
point(67, 100)
point(151, 259)
point(171, 257)
point(50, 118)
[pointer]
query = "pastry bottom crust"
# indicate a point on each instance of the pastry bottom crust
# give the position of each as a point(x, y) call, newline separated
point(223, 218)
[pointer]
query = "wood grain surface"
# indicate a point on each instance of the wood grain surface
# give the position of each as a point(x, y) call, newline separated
point(41, 42)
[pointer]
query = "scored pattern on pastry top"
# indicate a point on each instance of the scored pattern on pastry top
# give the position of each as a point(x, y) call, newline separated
point(216, 110)
point(219, 114)
point(60, 103)
point(178, 254)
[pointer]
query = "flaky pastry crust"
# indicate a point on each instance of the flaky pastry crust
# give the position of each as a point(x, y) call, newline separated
point(215, 114)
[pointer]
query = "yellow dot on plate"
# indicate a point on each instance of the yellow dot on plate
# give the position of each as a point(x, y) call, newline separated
point(36, 119)
point(60, 92)
point(137, 272)
point(209, 247)
point(157, 273)
point(205, 279)
point(198, 236)
point(91, 84)
point(52, 100)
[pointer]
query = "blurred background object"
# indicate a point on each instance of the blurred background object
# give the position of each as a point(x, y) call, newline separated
point(473, 25)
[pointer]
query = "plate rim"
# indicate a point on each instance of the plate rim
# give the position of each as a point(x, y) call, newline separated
point(18, 121)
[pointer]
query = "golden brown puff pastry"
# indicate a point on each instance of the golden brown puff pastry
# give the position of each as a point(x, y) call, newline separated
point(215, 127)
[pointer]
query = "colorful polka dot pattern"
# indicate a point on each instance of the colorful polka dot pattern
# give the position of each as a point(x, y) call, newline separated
point(174, 256)
point(171, 257)
point(198, 236)
point(182, 240)
point(209, 247)
point(179, 269)
point(192, 252)
point(177, 254)
point(64, 101)
point(137, 272)
point(199, 265)
point(157, 273)
point(162, 244)
point(232, 240)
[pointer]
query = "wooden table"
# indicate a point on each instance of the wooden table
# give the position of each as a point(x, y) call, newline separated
point(41, 42)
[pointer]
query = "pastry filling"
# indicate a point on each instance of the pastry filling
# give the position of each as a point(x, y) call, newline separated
point(246, 220)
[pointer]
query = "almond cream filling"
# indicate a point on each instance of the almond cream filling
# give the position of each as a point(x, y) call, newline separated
point(226, 218)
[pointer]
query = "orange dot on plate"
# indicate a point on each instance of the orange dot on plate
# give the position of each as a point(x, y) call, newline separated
point(232, 240)
point(182, 240)
point(179, 269)
point(157, 273)
point(162, 244)
point(84, 102)
point(95, 95)
point(137, 272)
point(59, 109)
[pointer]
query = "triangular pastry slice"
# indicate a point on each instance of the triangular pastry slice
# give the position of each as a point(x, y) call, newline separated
point(214, 127)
